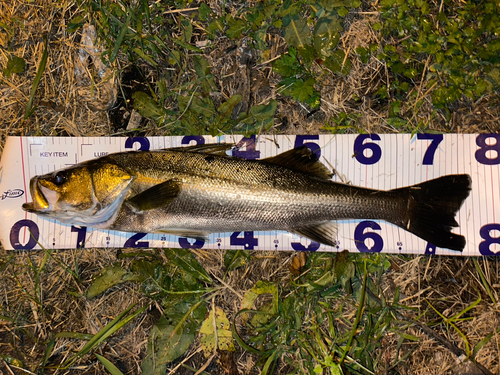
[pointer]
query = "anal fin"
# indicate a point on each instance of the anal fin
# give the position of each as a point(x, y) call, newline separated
point(324, 233)
point(197, 235)
point(158, 196)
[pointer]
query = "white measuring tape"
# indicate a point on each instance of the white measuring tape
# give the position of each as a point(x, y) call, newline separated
point(385, 161)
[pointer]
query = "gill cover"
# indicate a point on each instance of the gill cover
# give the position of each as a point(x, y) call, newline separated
point(109, 181)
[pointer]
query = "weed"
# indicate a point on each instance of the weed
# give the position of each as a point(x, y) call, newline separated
point(308, 327)
point(449, 48)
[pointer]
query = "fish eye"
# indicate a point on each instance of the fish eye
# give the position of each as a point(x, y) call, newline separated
point(59, 178)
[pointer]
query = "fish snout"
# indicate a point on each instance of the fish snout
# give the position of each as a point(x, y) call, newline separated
point(39, 195)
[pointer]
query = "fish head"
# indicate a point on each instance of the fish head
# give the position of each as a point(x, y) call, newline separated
point(89, 193)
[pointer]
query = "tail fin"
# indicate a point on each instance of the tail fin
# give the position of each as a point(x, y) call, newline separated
point(432, 206)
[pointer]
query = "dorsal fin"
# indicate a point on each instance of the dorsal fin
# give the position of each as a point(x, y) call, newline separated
point(301, 159)
point(210, 148)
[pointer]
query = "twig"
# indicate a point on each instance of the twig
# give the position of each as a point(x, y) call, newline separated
point(180, 10)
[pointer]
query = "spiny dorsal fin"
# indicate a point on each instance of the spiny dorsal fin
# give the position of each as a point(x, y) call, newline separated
point(158, 196)
point(211, 148)
point(324, 233)
point(301, 159)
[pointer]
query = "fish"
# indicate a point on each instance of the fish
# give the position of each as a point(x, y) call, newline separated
point(197, 190)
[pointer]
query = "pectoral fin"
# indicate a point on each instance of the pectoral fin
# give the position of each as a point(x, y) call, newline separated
point(158, 196)
point(324, 233)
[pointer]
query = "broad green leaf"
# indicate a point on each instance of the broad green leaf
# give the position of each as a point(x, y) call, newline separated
point(325, 280)
point(234, 259)
point(153, 275)
point(109, 277)
point(236, 27)
point(215, 333)
point(172, 335)
point(255, 19)
point(174, 57)
point(259, 117)
point(14, 65)
point(264, 111)
point(145, 268)
point(340, 263)
point(327, 35)
point(188, 30)
point(287, 65)
point(147, 106)
point(296, 31)
point(330, 5)
point(364, 54)
point(188, 262)
point(205, 11)
point(395, 108)
point(342, 12)
point(302, 90)
point(202, 68)
point(201, 106)
point(260, 288)
point(261, 319)
point(288, 7)
point(226, 108)
point(75, 24)
point(349, 273)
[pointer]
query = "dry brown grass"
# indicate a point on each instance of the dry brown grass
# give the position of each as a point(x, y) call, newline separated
point(41, 308)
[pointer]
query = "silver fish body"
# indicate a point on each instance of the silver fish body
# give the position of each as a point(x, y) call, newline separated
point(197, 190)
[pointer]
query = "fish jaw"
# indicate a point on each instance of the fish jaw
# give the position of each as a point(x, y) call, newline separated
point(43, 198)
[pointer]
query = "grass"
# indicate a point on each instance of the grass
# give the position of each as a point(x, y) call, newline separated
point(263, 67)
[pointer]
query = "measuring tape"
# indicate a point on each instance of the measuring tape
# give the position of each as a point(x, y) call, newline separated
point(377, 161)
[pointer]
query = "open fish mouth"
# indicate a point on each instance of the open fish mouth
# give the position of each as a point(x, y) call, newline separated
point(39, 194)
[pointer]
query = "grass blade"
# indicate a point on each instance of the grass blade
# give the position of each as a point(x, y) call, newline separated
point(483, 342)
point(109, 365)
point(46, 356)
point(36, 82)
point(119, 40)
point(358, 317)
point(486, 284)
point(104, 333)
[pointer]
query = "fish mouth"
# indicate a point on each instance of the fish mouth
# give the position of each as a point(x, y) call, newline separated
point(40, 202)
